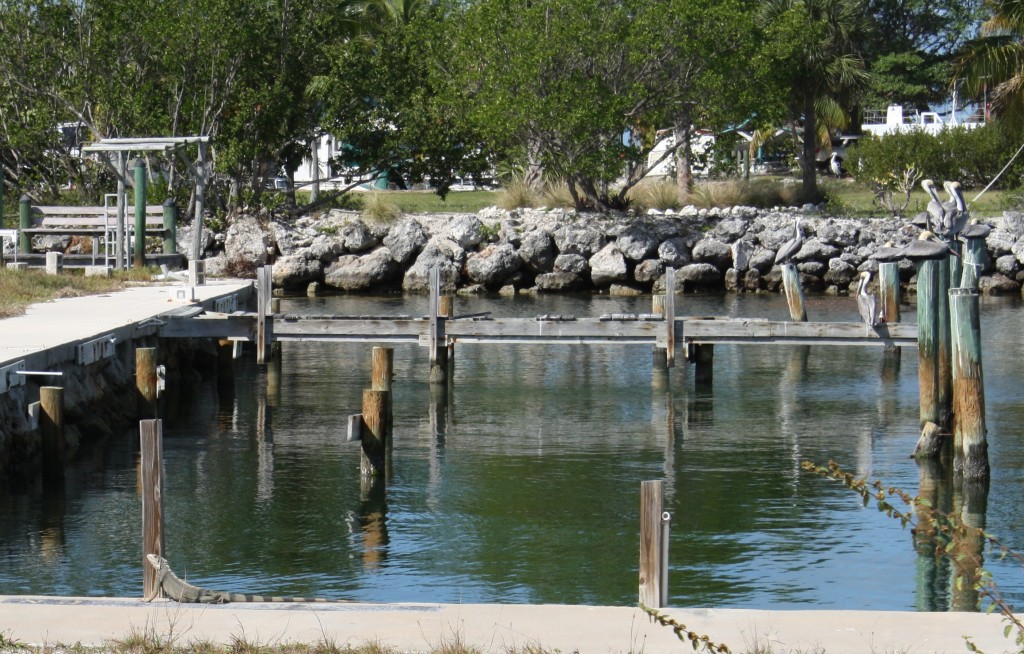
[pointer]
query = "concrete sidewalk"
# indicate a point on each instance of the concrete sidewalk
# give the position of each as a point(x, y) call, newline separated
point(494, 627)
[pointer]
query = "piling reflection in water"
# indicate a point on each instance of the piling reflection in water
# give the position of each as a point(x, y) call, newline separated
point(517, 481)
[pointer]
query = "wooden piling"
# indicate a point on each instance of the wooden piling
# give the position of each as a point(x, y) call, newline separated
point(944, 397)
point(151, 437)
point(438, 351)
point(145, 382)
point(139, 247)
point(653, 559)
point(927, 340)
point(974, 259)
point(794, 294)
point(660, 354)
point(51, 428)
point(225, 365)
point(374, 434)
point(264, 284)
point(889, 295)
point(446, 309)
point(970, 446)
point(381, 375)
point(703, 357)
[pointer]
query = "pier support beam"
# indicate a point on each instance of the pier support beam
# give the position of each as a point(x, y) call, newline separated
point(794, 293)
point(438, 351)
point(660, 354)
point(151, 443)
point(381, 376)
point(970, 447)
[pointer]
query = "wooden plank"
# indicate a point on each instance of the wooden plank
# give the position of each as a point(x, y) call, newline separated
point(510, 328)
point(151, 209)
point(201, 327)
point(807, 333)
point(151, 437)
point(652, 501)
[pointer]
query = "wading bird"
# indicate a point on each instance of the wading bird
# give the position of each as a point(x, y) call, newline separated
point(836, 164)
point(867, 304)
point(792, 246)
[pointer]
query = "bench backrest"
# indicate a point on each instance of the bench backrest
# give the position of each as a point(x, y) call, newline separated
point(91, 216)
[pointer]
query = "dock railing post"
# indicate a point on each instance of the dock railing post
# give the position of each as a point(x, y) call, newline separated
point(970, 446)
point(794, 294)
point(654, 523)
point(151, 437)
point(51, 427)
point(670, 317)
point(145, 381)
point(140, 214)
point(660, 354)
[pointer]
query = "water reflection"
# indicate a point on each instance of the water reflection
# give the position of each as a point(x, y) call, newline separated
point(519, 480)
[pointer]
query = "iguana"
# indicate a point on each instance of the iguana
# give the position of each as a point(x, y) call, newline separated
point(181, 591)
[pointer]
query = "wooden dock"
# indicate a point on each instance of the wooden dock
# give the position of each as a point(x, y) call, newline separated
point(612, 329)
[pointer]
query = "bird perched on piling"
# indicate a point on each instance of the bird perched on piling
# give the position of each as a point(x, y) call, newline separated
point(792, 246)
point(927, 246)
point(867, 304)
point(946, 219)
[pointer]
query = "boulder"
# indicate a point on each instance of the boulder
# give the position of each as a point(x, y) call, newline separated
point(362, 273)
point(713, 251)
point(742, 251)
point(295, 271)
point(637, 242)
point(649, 270)
point(493, 265)
point(699, 275)
point(608, 266)
point(998, 284)
point(467, 231)
point(572, 263)
point(417, 277)
point(325, 248)
point(559, 281)
point(1008, 265)
point(840, 272)
point(357, 237)
point(816, 250)
point(246, 242)
point(674, 252)
point(730, 229)
point(537, 250)
point(583, 240)
point(405, 240)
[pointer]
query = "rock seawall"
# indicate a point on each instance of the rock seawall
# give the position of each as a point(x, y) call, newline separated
point(545, 251)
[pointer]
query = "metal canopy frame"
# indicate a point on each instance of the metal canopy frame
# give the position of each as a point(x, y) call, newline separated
point(171, 146)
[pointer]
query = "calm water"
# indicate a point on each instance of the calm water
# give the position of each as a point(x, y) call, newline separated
point(521, 484)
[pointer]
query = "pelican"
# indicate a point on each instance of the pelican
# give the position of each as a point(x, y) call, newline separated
point(792, 246)
point(888, 252)
point(927, 246)
point(866, 302)
point(975, 229)
point(936, 212)
point(956, 215)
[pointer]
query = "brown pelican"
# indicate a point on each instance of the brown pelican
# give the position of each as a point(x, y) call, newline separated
point(927, 246)
point(957, 215)
point(792, 246)
point(866, 302)
point(936, 212)
point(888, 252)
point(975, 229)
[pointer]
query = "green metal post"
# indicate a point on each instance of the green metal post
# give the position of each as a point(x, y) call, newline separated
point(140, 214)
point(170, 227)
point(24, 222)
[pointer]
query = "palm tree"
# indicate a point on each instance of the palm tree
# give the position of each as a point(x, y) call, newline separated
point(815, 48)
point(992, 66)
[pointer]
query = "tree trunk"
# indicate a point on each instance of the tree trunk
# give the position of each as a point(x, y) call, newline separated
point(682, 133)
point(807, 161)
point(534, 168)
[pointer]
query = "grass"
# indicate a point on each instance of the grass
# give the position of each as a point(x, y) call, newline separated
point(20, 288)
point(846, 197)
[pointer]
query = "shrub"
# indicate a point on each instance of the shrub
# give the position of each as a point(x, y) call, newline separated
point(377, 208)
point(516, 194)
point(655, 194)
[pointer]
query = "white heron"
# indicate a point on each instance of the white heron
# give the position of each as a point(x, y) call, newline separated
point(836, 164)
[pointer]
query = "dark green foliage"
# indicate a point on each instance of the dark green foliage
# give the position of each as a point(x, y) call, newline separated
point(972, 157)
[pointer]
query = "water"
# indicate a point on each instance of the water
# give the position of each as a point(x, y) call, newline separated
point(521, 484)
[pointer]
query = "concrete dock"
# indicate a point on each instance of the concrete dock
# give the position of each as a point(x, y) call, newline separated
point(497, 628)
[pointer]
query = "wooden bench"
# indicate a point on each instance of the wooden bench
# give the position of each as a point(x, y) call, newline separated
point(91, 221)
